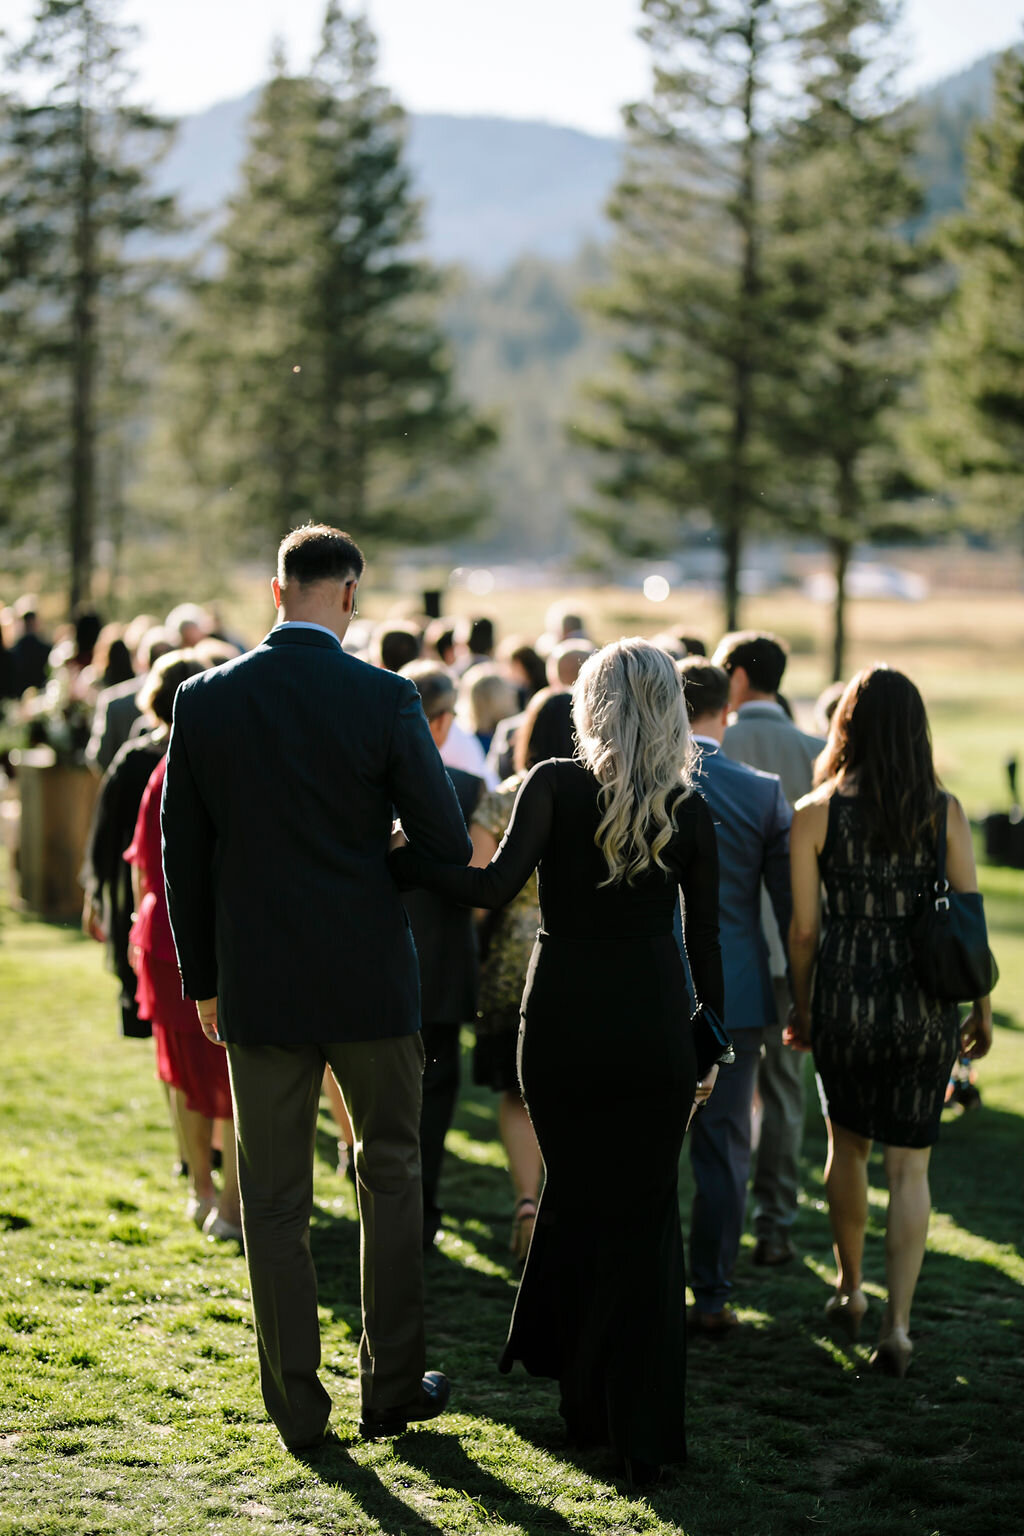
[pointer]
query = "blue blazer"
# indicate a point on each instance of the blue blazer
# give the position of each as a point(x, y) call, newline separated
point(752, 819)
point(283, 772)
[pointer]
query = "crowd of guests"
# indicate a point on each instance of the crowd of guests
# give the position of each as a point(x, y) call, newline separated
point(849, 807)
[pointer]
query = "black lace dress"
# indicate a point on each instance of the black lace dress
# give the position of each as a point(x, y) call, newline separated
point(883, 1048)
point(608, 1073)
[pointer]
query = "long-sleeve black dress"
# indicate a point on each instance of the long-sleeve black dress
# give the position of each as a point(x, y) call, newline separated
point(608, 1071)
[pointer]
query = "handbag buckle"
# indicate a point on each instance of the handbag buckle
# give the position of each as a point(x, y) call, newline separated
point(942, 904)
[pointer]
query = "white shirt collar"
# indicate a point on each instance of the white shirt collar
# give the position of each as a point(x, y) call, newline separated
point(305, 624)
point(708, 741)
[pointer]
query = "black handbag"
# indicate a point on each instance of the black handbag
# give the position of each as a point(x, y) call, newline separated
point(710, 1040)
point(949, 939)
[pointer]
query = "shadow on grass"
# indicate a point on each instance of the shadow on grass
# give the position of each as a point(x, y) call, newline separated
point(336, 1467)
point(446, 1463)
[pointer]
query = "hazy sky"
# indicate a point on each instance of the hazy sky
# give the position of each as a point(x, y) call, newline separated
point(569, 61)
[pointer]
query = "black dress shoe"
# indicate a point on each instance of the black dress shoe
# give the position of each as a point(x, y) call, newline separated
point(773, 1250)
point(642, 1474)
point(432, 1399)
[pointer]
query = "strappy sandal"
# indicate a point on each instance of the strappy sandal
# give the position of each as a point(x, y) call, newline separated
point(523, 1218)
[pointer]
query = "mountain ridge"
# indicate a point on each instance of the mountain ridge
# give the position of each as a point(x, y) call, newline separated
point(496, 189)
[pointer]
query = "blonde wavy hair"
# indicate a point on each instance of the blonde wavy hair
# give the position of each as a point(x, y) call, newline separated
point(633, 735)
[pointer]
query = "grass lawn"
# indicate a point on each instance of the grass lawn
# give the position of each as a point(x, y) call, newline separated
point(128, 1396)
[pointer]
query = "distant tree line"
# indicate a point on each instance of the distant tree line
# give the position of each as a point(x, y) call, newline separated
point(775, 341)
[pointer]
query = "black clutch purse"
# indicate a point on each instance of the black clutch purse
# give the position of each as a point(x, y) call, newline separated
point(949, 939)
point(710, 1040)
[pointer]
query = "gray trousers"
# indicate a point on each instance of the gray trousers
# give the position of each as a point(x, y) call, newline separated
point(720, 1157)
point(276, 1093)
point(780, 1082)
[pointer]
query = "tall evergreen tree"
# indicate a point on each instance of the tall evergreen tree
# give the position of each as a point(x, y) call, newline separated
point(971, 440)
point(328, 388)
point(73, 189)
point(845, 288)
point(679, 422)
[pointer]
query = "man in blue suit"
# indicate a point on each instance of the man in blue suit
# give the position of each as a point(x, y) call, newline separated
point(752, 818)
point(284, 772)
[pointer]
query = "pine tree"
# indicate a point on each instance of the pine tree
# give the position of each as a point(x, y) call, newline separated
point(73, 189)
point(971, 441)
point(328, 388)
point(846, 290)
point(679, 422)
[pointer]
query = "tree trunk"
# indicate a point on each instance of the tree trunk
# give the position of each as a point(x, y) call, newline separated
point(841, 550)
point(82, 499)
point(841, 545)
point(732, 546)
point(746, 213)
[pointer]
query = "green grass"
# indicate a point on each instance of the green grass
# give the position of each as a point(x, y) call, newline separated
point(128, 1396)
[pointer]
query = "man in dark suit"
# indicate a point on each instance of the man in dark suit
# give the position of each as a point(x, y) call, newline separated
point(752, 821)
point(284, 770)
point(446, 945)
point(762, 735)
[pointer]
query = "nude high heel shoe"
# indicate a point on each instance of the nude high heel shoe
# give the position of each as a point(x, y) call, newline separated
point(892, 1353)
point(846, 1311)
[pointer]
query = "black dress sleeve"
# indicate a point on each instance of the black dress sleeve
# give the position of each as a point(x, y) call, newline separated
point(517, 856)
point(698, 876)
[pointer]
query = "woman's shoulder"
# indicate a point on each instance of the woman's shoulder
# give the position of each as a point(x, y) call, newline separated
point(815, 804)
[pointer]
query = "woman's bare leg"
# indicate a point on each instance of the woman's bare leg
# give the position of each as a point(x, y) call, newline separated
point(906, 1229)
point(519, 1139)
point(846, 1184)
point(346, 1136)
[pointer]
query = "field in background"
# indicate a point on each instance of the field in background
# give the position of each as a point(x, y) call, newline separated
point(964, 651)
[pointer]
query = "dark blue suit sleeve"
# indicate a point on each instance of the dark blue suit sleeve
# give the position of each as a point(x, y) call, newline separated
point(189, 840)
point(517, 856)
point(698, 878)
point(775, 869)
point(421, 791)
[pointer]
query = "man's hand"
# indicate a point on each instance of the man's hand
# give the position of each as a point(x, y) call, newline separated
point(797, 1032)
point(92, 921)
point(206, 1008)
point(703, 1091)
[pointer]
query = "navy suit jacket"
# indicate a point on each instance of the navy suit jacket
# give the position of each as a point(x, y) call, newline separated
point(752, 819)
point(283, 772)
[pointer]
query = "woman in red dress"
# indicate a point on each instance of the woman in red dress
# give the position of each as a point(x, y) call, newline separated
point(195, 1070)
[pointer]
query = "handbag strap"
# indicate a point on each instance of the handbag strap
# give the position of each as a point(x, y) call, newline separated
point(941, 883)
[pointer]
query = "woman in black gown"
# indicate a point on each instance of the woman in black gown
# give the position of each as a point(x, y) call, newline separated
point(601, 1305)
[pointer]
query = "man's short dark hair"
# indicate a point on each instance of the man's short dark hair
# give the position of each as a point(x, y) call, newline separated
point(316, 552)
point(435, 686)
point(476, 634)
point(762, 657)
point(395, 644)
point(439, 638)
point(705, 686)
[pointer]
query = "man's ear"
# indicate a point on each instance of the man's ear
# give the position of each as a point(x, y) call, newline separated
point(440, 727)
point(725, 713)
point(275, 587)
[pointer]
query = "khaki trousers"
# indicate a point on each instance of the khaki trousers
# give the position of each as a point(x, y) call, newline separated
point(276, 1092)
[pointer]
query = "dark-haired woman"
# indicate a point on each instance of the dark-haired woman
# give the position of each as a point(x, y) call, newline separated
point(883, 1047)
point(616, 832)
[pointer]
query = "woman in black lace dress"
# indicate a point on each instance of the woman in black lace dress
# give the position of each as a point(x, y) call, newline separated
point(601, 1306)
point(883, 1048)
